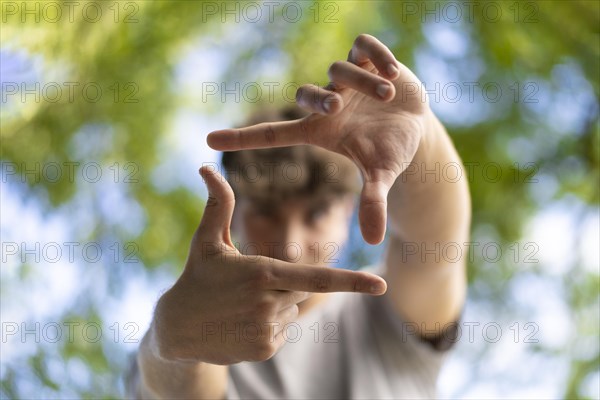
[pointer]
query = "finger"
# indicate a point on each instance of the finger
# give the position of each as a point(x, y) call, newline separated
point(216, 219)
point(368, 48)
point(319, 100)
point(372, 213)
point(270, 134)
point(284, 317)
point(287, 298)
point(287, 315)
point(314, 279)
point(346, 74)
point(280, 339)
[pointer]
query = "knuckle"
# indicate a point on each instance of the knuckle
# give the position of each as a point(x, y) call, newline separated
point(294, 311)
point(263, 277)
point(240, 139)
point(212, 201)
point(321, 283)
point(264, 351)
point(269, 134)
point(305, 130)
point(356, 286)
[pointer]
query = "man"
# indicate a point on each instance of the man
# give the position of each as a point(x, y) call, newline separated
point(279, 323)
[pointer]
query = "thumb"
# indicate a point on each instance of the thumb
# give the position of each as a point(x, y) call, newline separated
point(372, 213)
point(218, 212)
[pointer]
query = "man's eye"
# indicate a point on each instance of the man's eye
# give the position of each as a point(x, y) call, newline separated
point(317, 213)
point(263, 212)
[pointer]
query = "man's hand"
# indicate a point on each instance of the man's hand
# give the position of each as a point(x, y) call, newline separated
point(373, 112)
point(222, 291)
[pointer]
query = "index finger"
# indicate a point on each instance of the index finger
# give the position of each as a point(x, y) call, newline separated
point(367, 47)
point(308, 278)
point(268, 134)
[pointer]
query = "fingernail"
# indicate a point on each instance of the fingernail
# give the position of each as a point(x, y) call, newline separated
point(392, 70)
point(327, 105)
point(382, 90)
point(377, 288)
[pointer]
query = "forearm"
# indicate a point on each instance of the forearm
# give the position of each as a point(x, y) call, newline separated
point(429, 213)
point(160, 378)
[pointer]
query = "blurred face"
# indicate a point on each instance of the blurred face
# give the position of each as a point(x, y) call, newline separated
point(302, 230)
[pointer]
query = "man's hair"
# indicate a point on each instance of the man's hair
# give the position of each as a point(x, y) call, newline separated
point(279, 173)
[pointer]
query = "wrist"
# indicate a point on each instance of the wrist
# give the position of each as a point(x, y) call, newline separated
point(432, 144)
point(161, 377)
point(434, 152)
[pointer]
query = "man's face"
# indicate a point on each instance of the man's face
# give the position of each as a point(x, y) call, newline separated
point(303, 230)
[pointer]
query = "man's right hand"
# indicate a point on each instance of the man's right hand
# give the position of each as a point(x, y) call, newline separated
point(227, 307)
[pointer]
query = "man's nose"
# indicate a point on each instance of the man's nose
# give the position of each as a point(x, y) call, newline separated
point(291, 242)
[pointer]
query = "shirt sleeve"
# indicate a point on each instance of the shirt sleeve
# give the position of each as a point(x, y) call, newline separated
point(412, 364)
point(385, 316)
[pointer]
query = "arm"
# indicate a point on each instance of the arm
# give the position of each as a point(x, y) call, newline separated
point(428, 213)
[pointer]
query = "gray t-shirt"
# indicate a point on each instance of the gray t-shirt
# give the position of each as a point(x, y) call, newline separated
point(352, 347)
